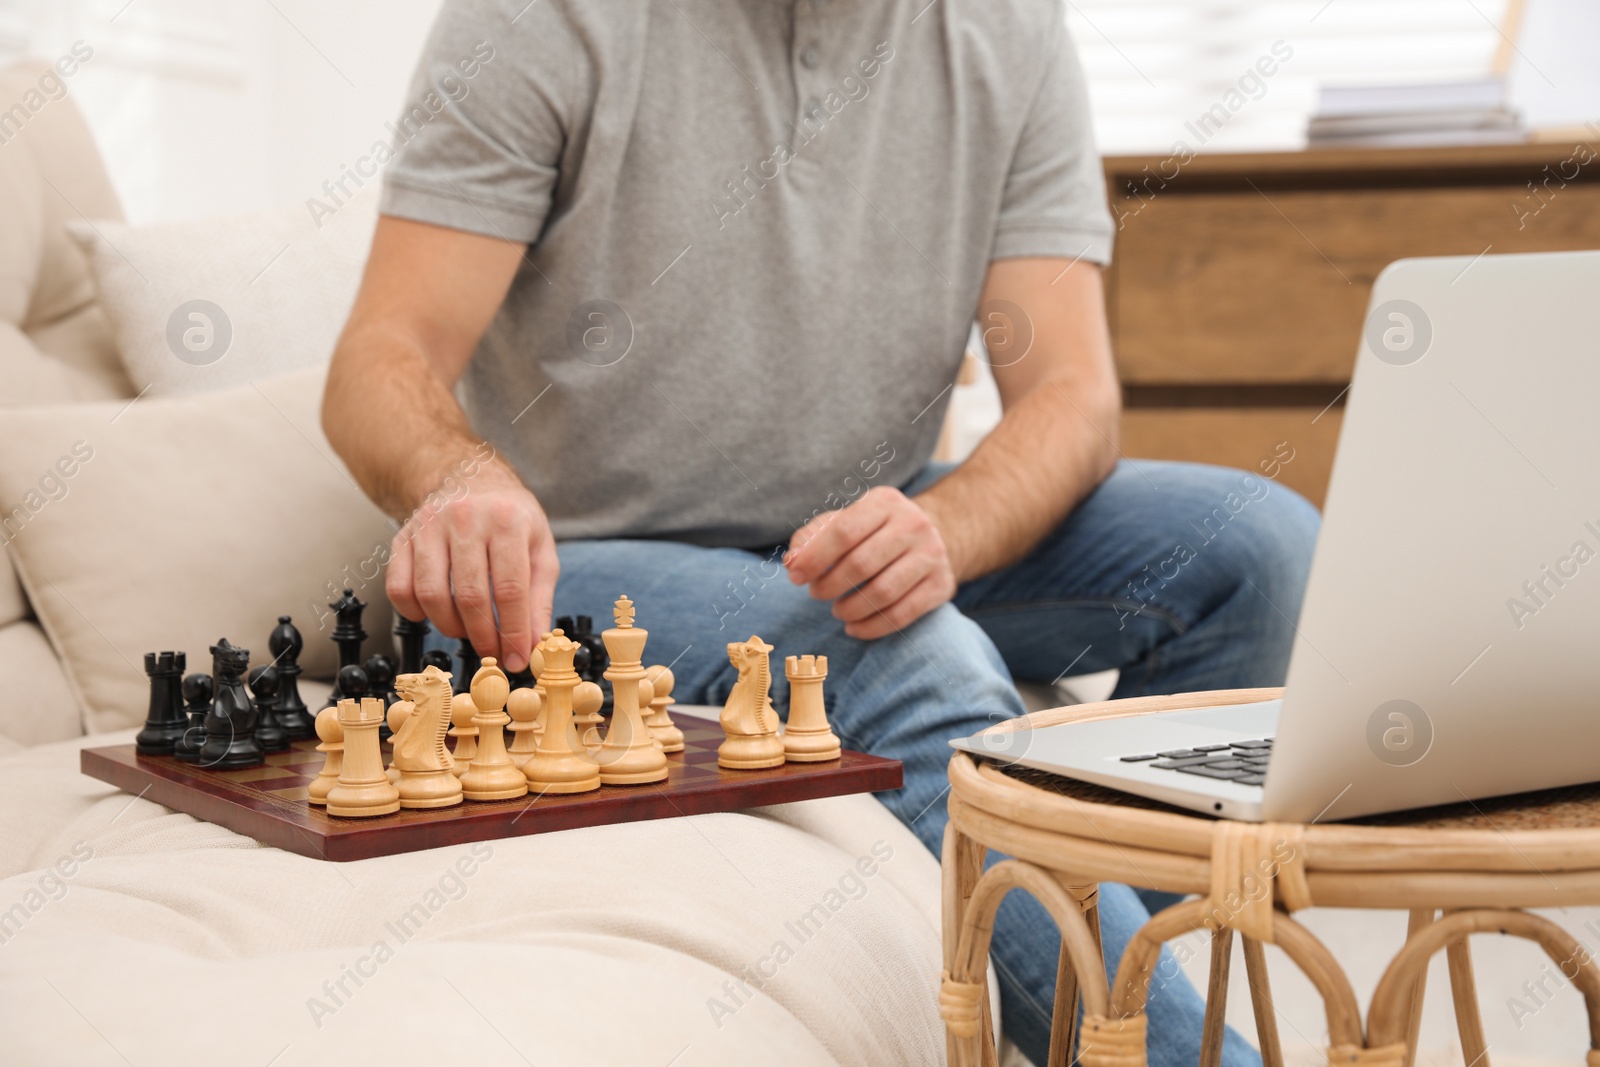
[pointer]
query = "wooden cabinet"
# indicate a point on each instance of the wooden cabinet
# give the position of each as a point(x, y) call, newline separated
point(1240, 281)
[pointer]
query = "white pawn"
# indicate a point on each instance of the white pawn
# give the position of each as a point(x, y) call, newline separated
point(461, 728)
point(586, 700)
point(524, 707)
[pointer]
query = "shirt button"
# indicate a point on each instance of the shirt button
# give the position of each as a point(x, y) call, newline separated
point(811, 55)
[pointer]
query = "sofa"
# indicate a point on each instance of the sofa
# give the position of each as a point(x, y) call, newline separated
point(141, 515)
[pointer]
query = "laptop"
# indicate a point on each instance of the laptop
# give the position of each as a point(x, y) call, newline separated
point(1448, 647)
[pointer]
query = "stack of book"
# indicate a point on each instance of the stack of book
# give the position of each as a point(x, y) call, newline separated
point(1477, 111)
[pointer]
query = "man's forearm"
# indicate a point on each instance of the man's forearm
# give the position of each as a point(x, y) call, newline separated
point(393, 420)
point(1050, 450)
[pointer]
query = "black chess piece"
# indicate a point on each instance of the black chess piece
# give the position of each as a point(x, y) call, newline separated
point(197, 691)
point(352, 682)
point(522, 679)
point(411, 635)
point(348, 635)
point(231, 723)
point(380, 684)
point(285, 644)
point(598, 661)
point(270, 734)
point(470, 662)
point(165, 722)
point(438, 657)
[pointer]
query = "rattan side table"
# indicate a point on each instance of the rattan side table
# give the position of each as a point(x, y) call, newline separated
point(1458, 871)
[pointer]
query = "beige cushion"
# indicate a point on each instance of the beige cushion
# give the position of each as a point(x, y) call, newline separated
point(195, 518)
point(38, 705)
point(13, 602)
point(278, 289)
point(55, 344)
point(608, 945)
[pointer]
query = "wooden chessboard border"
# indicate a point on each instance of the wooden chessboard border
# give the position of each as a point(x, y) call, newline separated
point(268, 802)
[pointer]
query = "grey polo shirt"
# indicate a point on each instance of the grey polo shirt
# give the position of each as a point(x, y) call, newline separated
point(757, 229)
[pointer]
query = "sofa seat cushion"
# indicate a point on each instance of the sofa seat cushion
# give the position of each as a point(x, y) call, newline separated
point(796, 934)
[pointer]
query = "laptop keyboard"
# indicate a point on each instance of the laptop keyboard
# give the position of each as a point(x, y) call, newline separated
point(1244, 762)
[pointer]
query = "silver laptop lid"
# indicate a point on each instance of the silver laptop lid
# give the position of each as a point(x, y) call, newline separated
point(1449, 644)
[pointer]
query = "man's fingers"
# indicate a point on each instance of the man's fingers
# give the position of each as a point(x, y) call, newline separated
point(896, 617)
point(542, 588)
point(469, 581)
point(510, 571)
point(828, 537)
point(891, 586)
point(430, 582)
point(865, 561)
point(397, 581)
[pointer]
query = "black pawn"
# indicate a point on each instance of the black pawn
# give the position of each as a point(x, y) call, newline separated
point(197, 693)
point(165, 722)
point(285, 644)
point(231, 723)
point(348, 635)
point(352, 682)
point(411, 635)
point(270, 734)
point(438, 657)
point(380, 683)
point(470, 662)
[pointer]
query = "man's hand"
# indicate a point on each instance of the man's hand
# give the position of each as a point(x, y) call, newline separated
point(486, 552)
point(882, 560)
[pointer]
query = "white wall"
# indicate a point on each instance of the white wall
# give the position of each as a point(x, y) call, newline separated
point(204, 107)
point(207, 107)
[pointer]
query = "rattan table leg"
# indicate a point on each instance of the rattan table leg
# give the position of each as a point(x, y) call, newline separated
point(1464, 992)
point(1255, 972)
point(1217, 997)
point(1064, 1022)
point(961, 866)
point(1420, 919)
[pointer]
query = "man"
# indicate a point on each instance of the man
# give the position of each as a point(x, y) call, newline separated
point(701, 273)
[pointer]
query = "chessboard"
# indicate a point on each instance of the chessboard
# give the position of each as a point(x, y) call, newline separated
point(268, 802)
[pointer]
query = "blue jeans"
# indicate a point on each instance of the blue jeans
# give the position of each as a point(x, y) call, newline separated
point(1110, 588)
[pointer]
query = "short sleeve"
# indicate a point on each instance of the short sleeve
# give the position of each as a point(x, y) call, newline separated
point(479, 142)
point(1055, 196)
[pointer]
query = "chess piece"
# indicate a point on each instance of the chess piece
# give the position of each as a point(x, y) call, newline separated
point(523, 706)
point(462, 711)
point(285, 644)
point(597, 660)
point(470, 662)
point(332, 736)
point(492, 775)
point(629, 756)
point(561, 765)
point(231, 724)
point(647, 693)
point(197, 693)
point(380, 678)
point(270, 734)
point(438, 657)
point(808, 738)
point(427, 774)
point(399, 712)
point(380, 683)
point(363, 790)
point(348, 635)
point(165, 722)
point(412, 635)
point(748, 720)
point(586, 701)
point(352, 682)
point(661, 725)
